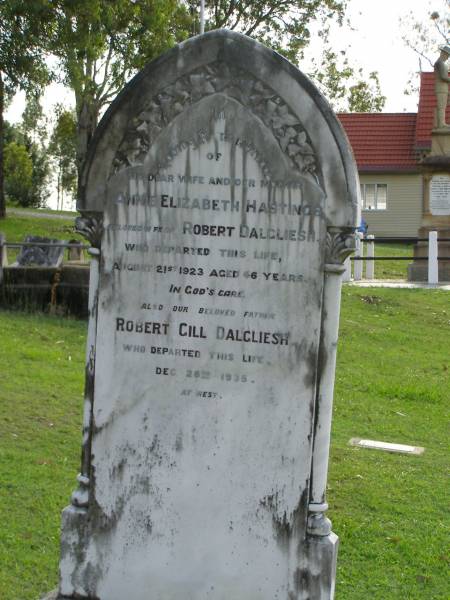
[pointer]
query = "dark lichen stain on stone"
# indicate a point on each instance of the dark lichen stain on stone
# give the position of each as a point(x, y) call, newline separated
point(92, 574)
point(148, 524)
point(77, 548)
point(87, 575)
point(97, 518)
point(287, 527)
point(309, 379)
point(179, 442)
point(321, 364)
point(79, 597)
point(117, 470)
point(301, 579)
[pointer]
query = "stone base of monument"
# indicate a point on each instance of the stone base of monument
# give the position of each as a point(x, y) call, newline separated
point(320, 572)
point(441, 142)
point(316, 574)
point(418, 270)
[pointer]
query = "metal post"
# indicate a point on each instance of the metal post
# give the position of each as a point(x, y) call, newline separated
point(433, 269)
point(370, 264)
point(358, 264)
point(202, 16)
point(3, 255)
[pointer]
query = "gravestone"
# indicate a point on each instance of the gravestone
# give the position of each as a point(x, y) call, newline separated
point(220, 199)
point(75, 251)
point(40, 251)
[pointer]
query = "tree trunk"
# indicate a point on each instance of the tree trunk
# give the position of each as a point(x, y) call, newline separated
point(2, 187)
point(58, 186)
point(87, 122)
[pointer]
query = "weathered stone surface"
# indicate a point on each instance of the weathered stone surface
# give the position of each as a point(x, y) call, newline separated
point(220, 199)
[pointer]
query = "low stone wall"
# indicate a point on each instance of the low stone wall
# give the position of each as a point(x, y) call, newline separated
point(62, 290)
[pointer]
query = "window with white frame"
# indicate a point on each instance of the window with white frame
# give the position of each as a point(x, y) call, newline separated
point(374, 196)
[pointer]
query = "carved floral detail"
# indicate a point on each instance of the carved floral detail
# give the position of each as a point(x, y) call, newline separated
point(218, 77)
point(339, 245)
point(90, 226)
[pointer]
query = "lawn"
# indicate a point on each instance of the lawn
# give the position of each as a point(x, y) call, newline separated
point(16, 226)
point(391, 269)
point(389, 510)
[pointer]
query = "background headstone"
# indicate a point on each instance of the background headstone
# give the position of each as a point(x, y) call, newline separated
point(44, 252)
point(220, 199)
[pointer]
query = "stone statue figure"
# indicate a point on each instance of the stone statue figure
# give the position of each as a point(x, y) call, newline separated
point(441, 86)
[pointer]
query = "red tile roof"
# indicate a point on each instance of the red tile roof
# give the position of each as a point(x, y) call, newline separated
point(425, 115)
point(382, 141)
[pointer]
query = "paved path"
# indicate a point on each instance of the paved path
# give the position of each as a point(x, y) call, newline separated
point(39, 214)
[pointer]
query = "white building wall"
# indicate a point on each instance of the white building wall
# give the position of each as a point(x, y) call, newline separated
point(403, 214)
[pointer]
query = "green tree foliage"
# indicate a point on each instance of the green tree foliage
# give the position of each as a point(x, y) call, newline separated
point(63, 149)
point(366, 96)
point(346, 87)
point(284, 25)
point(18, 174)
point(100, 44)
point(23, 29)
point(34, 131)
point(31, 133)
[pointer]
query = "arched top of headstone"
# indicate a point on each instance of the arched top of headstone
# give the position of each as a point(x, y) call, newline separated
point(171, 104)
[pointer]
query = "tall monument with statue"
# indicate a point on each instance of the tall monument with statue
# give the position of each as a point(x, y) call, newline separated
point(436, 179)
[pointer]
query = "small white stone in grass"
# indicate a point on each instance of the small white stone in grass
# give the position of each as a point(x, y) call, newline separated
point(386, 446)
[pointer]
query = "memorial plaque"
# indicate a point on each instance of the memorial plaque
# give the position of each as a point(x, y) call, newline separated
point(220, 199)
point(440, 195)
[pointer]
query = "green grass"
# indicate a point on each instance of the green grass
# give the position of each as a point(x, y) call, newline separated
point(15, 227)
point(69, 213)
point(389, 510)
point(41, 383)
point(392, 269)
point(392, 384)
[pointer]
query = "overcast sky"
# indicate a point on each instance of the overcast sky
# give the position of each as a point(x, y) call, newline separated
point(376, 44)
